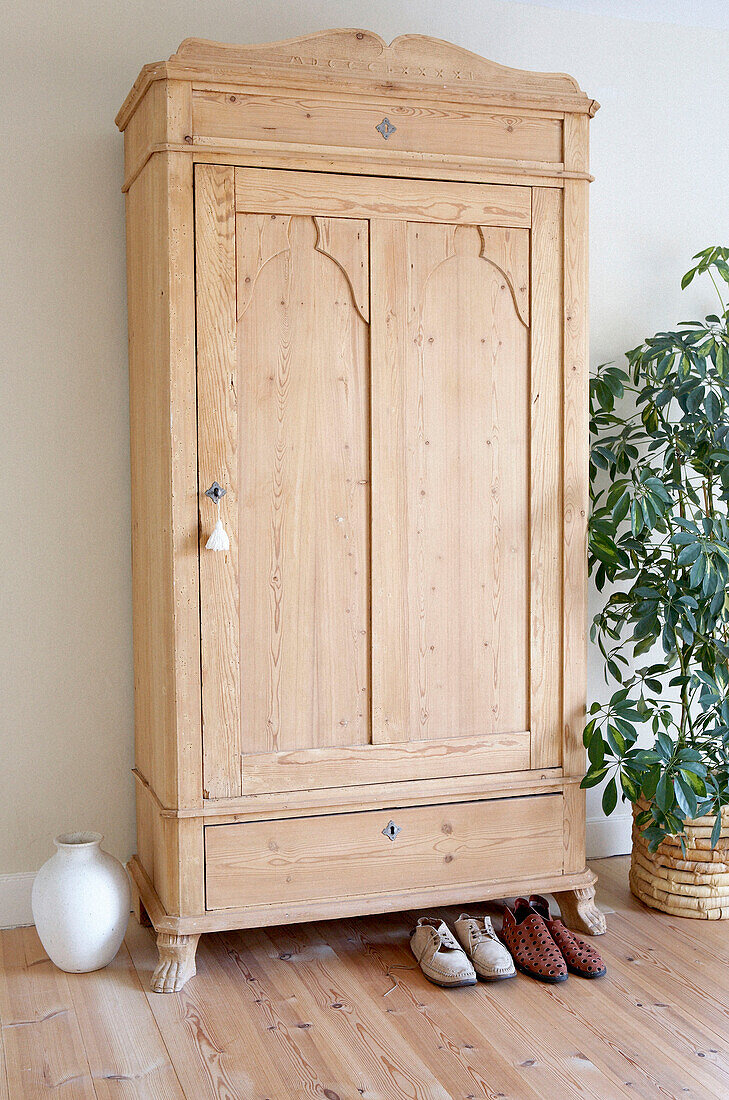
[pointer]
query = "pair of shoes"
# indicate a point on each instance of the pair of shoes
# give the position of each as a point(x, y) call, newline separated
point(543, 947)
point(446, 962)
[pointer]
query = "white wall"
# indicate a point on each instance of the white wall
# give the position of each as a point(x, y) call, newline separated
point(661, 159)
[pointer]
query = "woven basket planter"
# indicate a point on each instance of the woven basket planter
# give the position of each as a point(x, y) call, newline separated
point(692, 885)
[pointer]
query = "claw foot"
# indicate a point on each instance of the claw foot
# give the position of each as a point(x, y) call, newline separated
point(579, 910)
point(176, 962)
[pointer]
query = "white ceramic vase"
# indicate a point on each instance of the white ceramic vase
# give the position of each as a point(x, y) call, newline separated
point(81, 902)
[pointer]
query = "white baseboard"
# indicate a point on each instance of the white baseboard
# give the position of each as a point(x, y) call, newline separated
point(15, 899)
point(609, 836)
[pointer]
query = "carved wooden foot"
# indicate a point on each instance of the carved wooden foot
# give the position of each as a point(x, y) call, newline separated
point(176, 962)
point(579, 911)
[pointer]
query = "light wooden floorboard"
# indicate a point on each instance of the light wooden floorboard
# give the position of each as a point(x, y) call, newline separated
point(126, 1053)
point(337, 1011)
point(78, 1034)
point(4, 1094)
point(45, 1054)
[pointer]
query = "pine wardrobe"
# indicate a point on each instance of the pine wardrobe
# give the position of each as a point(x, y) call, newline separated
point(358, 336)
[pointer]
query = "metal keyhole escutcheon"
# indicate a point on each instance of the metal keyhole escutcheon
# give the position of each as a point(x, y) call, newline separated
point(386, 128)
point(391, 830)
point(215, 492)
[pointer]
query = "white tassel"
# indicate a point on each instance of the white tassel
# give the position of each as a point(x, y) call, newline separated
point(219, 539)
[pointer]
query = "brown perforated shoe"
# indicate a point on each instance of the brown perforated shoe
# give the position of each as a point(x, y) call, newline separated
point(579, 956)
point(532, 947)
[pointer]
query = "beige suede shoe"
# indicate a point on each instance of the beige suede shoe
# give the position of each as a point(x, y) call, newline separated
point(441, 958)
point(491, 960)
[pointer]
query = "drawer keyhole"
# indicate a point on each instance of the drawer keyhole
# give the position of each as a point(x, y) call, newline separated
point(386, 128)
point(391, 830)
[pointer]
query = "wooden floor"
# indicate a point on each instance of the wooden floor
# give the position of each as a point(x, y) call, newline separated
point(333, 1011)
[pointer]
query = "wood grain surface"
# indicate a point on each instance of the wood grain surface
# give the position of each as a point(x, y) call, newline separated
point(545, 501)
point(302, 480)
point(356, 62)
point(325, 194)
point(218, 450)
point(575, 475)
point(339, 1011)
point(316, 120)
point(450, 487)
point(344, 855)
point(386, 763)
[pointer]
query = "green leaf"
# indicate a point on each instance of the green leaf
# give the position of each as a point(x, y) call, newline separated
point(689, 554)
point(644, 645)
point(650, 782)
point(694, 781)
point(712, 407)
point(649, 416)
point(636, 517)
point(610, 797)
point(593, 778)
point(716, 831)
point(664, 796)
point(685, 796)
point(614, 671)
point(627, 729)
point(664, 746)
point(698, 569)
point(615, 740)
point(620, 510)
point(596, 752)
point(630, 786)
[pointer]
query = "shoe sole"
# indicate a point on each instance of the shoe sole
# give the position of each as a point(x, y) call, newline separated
point(548, 978)
point(448, 985)
point(590, 977)
point(495, 977)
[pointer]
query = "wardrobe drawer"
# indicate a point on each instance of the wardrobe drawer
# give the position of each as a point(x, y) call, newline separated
point(291, 860)
point(445, 130)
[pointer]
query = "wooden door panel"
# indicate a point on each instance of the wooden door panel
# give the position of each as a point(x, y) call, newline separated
point(319, 193)
point(546, 531)
point(450, 482)
point(217, 422)
point(303, 377)
point(317, 769)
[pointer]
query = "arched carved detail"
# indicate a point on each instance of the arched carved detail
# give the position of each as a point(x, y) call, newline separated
point(346, 242)
point(506, 250)
point(260, 238)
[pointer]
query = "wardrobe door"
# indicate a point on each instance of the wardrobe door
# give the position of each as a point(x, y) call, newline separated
point(283, 394)
point(354, 330)
point(466, 473)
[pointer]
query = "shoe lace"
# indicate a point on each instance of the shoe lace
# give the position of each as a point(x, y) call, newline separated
point(482, 934)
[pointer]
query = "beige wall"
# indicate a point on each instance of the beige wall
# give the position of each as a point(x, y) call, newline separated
point(661, 158)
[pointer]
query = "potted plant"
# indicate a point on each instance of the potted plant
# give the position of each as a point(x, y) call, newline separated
point(659, 548)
